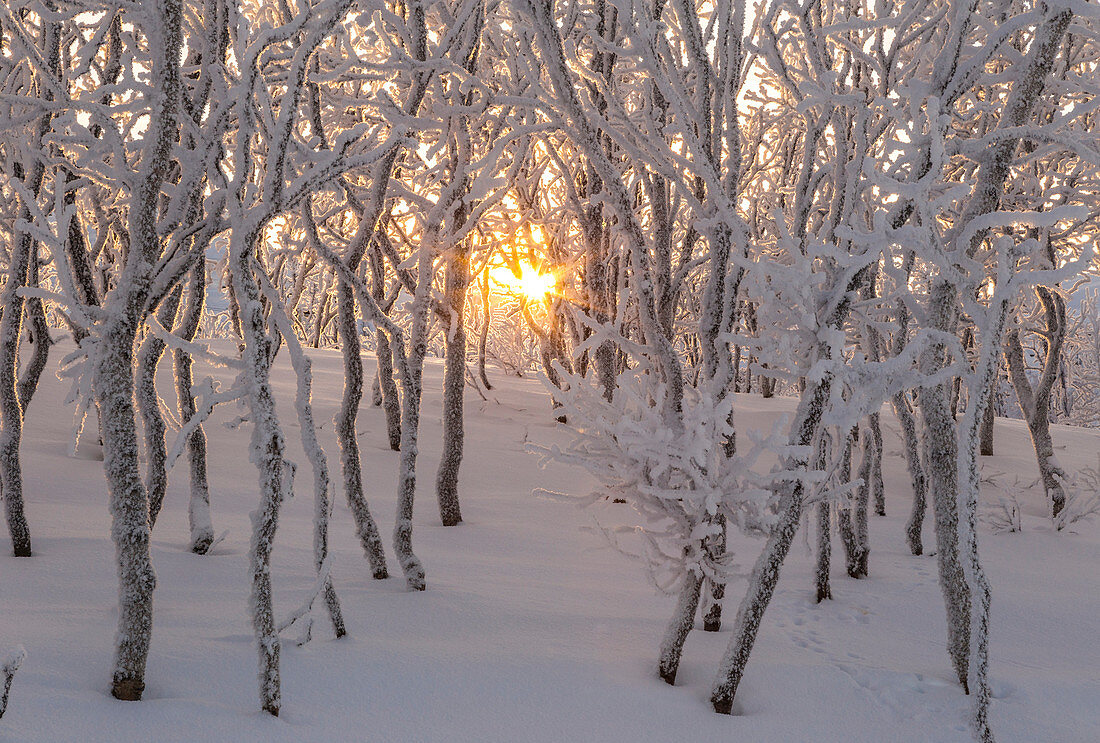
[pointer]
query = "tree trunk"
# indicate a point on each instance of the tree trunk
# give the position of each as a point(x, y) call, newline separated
point(863, 498)
point(848, 527)
point(716, 547)
point(267, 454)
point(320, 320)
point(391, 403)
point(23, 252)
point(376, 390)
point(411, 566)
point(977, 679)
point(7, 671)
point(672, 646)
point(198, 509)
point(876, 484)
point(910, 440)
point(765, 572)
point(114, 388)
point(986, 438)
point(411, 364)
point(767, 386)
point(737, 368)
point(303, 405)
point(456, 282)
point(483, 336)
point(1035, 402)
point(148, 402)
point(113, 378)
point(822, 590)
point(941, 459)
point(40, 339)
point(911, 445)
point(347, 437)
point(765, 576)
point(11, 412)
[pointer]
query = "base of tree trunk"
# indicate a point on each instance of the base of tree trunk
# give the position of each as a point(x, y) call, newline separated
point(128, 690)
point(202, 545)
point(861, 565)
point(24, 550)
point(723, 705)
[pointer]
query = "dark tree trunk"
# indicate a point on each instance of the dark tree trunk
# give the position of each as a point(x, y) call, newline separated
point(847, 525)
point(346, 435)
point(987, 429)
point(198, 510)
point(716, 547)
point(483, 336)
point(672, 646)
point(1035, 400)
point(148, 401)
point(456, 282)
point(822, 590)
point(391, 403)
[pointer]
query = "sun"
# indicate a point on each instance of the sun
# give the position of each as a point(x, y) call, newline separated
point(531, 282)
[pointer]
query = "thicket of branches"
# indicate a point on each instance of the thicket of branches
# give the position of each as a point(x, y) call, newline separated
point(853, 203)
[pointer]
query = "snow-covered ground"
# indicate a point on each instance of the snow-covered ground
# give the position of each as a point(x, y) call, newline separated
point(531, 628)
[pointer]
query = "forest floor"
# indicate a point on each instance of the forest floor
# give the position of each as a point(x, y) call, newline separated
point(532, 628)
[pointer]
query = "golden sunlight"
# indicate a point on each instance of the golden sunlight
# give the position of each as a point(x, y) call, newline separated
point(530, 282)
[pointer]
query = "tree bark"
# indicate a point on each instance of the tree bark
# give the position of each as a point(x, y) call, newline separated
point(1035, 401)
point(114, 386)
point(876, 485)
point(391, 403)
point(672, 646)
point(39, 332)
point(716, 547)
point(113, 380)
point(411, 566)
point(941, 459)
point(765, 572)
point(822, 590)
point(911, 445)
point(849, 531)
point(347, 437)
point(11, 411)
point(303, 405)
point(483, 335)
point(267, 453)
point(148, 402)
point(23, 252)
point(863, 500)
point(986, 438)
point(456, 283)
point(198, 509)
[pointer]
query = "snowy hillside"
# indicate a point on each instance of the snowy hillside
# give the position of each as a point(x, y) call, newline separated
point(531, 628)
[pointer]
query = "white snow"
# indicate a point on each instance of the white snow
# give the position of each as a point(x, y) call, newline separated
point(531, 629)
